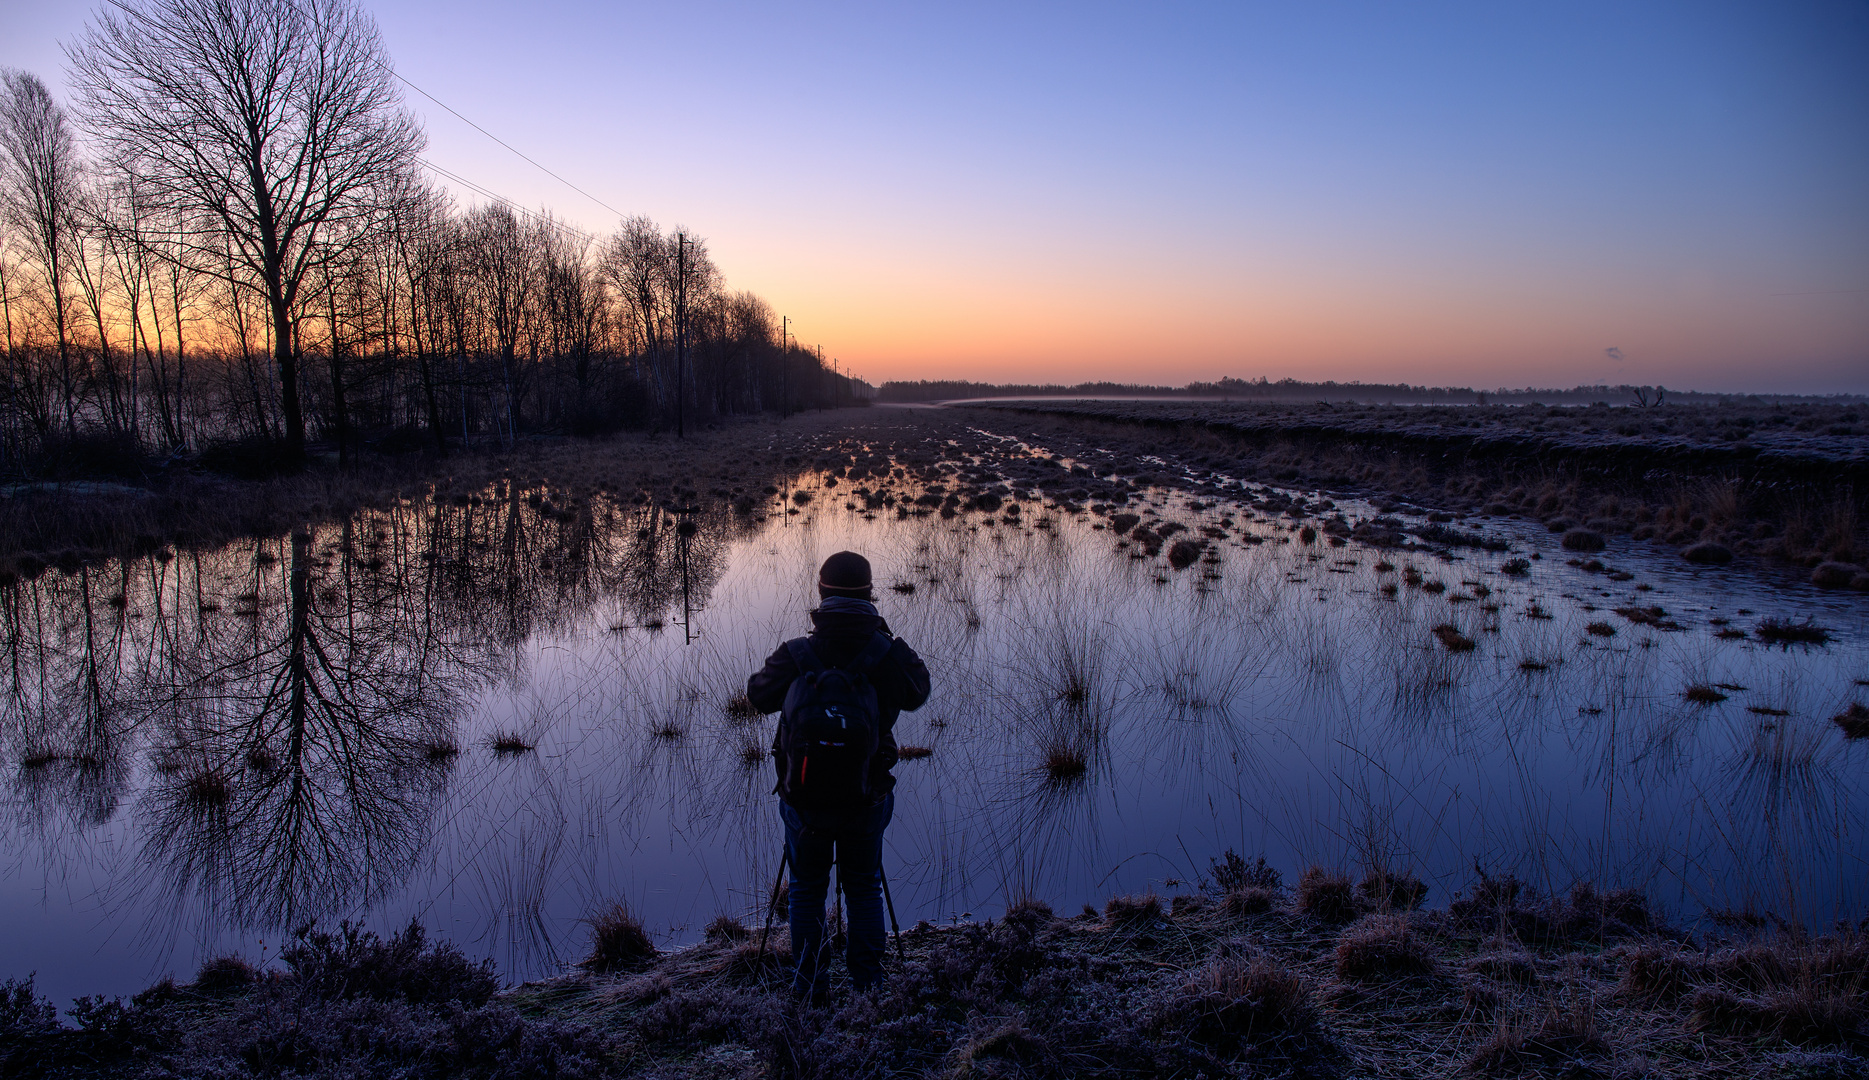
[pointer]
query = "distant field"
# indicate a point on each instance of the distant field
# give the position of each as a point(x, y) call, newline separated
point(1775, 481)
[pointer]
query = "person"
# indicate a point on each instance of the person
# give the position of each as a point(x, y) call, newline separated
point(847, 633)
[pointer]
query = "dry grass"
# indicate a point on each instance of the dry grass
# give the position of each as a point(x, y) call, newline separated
point(1702, 694)
point(1139, 910)
point(1854, 721)
point(1383, 946)
point(1327, 895)
point(618, 942)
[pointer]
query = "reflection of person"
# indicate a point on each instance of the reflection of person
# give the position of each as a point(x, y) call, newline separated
point(845, 627)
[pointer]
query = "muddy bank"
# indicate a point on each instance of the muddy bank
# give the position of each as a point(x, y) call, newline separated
point(1778, 484)
point(1237, 975)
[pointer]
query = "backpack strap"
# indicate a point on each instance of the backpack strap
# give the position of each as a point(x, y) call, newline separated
point(807, 658)
point(803, 656)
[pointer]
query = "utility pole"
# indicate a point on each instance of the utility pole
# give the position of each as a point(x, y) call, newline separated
point(785, 368)
point(681, 330)
point(819, 372)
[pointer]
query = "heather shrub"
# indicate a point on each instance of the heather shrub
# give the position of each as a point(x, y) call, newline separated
point(354, 962)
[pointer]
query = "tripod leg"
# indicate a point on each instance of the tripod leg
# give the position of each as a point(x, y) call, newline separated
point(893, 925)
point(772, 901)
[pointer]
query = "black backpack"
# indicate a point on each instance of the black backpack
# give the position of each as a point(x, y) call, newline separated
point(829, 729)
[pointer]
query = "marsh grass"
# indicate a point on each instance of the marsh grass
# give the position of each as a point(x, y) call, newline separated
point(507, 743)
point(1383, 947)
point(1784, 632)
point(1452, 639)
point(1327, 895)
point(1702, 694)
point(1853, 721)
point(618, 941)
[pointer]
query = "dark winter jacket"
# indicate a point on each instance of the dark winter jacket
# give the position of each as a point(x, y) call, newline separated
point(837, 636)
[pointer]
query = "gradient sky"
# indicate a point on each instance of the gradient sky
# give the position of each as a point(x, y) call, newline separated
point(1476, 194)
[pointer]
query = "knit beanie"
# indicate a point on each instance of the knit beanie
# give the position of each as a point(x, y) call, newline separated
point(845, 574)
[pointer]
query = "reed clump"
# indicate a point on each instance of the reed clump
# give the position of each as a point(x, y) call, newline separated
point(1783, 631)
point(1327, 895)
point(618, 941)
point(1138, 910)
point(1702, 694)
point(1383, 946)
point(1452, 639)
point(1853, 721)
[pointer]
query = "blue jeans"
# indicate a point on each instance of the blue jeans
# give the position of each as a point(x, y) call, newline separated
point(814, 839)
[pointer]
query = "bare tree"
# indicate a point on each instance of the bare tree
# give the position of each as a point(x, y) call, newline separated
point(40, 198)
point(269, 120)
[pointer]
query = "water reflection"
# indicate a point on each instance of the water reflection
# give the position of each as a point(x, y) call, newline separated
point(302, 727)
point(284, 718)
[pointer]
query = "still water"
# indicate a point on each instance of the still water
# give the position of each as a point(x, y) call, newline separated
point(202, 750)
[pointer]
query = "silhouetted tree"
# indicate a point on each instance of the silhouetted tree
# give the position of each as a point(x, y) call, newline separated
point(267, 121)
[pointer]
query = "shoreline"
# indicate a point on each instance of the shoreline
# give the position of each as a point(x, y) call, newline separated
point(1330, 977)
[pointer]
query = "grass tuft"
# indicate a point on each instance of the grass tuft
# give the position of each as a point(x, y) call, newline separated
point(1450, 636)
point(727, 928)
point(740, 707)
point(1381, 946)
point(1064, 763)
point(1249, 900)
point(1776, 631)
point(1327, 895)
point(913, 753)
point(1386, 890)
point(1139, 910)
point(1702, 694)
point(224, 974)
point(1233, 1001)
point(1854, 721)
point(1557, 1042)
point(618, 941)
point(1656, 973)
point(507, 743)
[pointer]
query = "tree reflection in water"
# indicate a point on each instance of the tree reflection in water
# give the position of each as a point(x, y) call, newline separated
point(297, 703)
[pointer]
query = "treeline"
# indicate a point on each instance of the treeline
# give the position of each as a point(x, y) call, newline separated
point(1261, 389)
point(230, 237)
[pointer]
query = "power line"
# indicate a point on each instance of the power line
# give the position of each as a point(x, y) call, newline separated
point(542, 219)
point(394, 74)
point(502, 142)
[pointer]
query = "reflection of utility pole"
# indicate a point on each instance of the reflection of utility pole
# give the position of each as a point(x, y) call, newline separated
point(682, 244)
point(785, 368)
